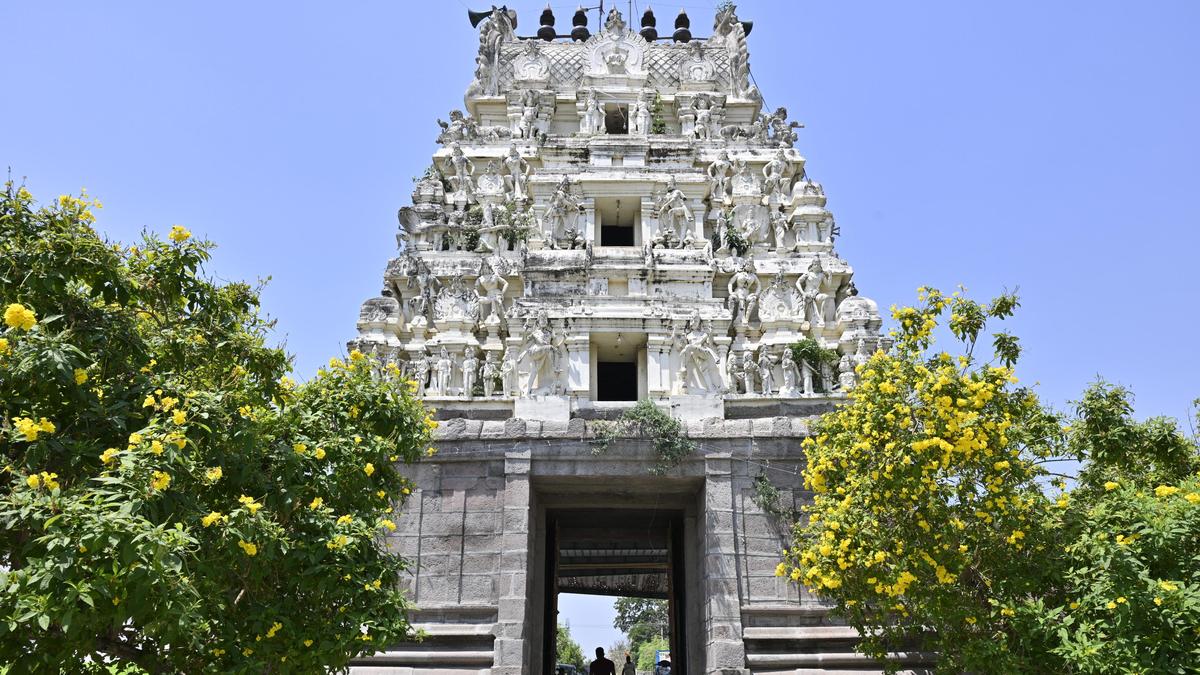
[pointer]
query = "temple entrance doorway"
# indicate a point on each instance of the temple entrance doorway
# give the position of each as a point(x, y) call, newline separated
point(617, 552)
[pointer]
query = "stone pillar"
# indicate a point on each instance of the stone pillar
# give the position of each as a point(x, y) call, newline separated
point(578, 365)
point(658, 366)
point(724, 651)
point(590, 233)
point(514, 645)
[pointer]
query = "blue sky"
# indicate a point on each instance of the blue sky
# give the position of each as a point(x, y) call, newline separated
point(1050, 146)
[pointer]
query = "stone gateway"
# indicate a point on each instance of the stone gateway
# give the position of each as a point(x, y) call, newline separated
point(614, 218)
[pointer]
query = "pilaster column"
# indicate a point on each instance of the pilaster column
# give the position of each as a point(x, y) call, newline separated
point(724, 651)
point(513, 646)
point(658, 365)
point(579, 381)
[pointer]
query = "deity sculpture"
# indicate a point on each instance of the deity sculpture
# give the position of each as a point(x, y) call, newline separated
point(491, 371)
point(527, 123)
point(718, 177)
point(766, 372)
point(782, 131)
point(463, 169)
point(592, 120)
point(813, 298)
point(699, 363)
point(427, 287)
point(743, 292)
point(491, 286)
point(846, 376)
point(721, 228)
point(508, 374)
point(493, 32)
point(640, 118)
point(562, 210)
point(443, 370)
point(790, 373)
point(541, 351)
point(459, 128)
point(861, 356)
point(774, 303)
point(420, 372)
point(674, 218)
point(733, 370)
point(516, 178)
point(470, 370)
point(749, 370)
point(775, 175)
point(780, 224)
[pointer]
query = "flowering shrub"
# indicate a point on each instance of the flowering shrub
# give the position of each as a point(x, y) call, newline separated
point(932, 523)
point(174, 500)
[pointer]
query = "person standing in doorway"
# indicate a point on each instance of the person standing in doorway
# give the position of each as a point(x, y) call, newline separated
point(628, 668)
point(602, 666)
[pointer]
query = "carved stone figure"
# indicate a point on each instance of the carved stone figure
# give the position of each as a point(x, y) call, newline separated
point(443, 370)
point(782, 131)
point(674, 218)
point(861, 356)
point(420, 372)
point(780, 224)
point(592, 120)
point(463, 169)
point(727, 29)
point(470, 370)
point(749, 370)
point(846, 377)
point(790, 374)
point(541, 352)
point(531, 65)
point(491, 287)
point(718, 177)
point(695, 67)
point(721, 228)
point(508, 375)
point(427, 286)
point(640, 118)
point(775, 301)
point(733, 370)
point(743, 292)
point(813, 298)
point(562, 212)
point(459, 128)
point(516, 177)
point(775, 174)
point(456, 304)
point(699, 363)
point(491, 372)
point(766, 374)
point(493, 33)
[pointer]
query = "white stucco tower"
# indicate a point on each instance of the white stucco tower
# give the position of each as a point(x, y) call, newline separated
point(614, 218)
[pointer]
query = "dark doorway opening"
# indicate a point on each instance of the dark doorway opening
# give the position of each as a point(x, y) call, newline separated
point(616, 552)
point(616, 119)
point(616, 381)
point(618, 218)
point(616, 235)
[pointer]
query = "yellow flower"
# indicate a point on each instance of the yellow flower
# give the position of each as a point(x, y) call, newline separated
point(135, 440)
point(17, 315)
point(211, 518)
point(251, 505)
point(1111, 485)
point(27, 427)
point(178, 417)
point(1167, 586)
point(156, 447)
point(1165, 490)
point(1121, 600)
point(81, 376)
point(337, 542)
point(369, 469)
point(213, 474)
point(168, 402)
point(4, 348)
point(109, 455)
point(356, 355)
point(46, 426)
point(248, 651)
point(1074, 605)
point(274, 629)
point(149, 402)
point(179, 234)
point(1158, 601)
point(780, 569)
point(1192, 497)
point(1001, 465)
point(48, 479)
point(388, 525)
point(248, 548)
point(316, 503)
point(299, 448)
point(319, 453)
point(308, 643)
point(33, 481)
point(160, 481)
point(430, 451)
point(345, 520)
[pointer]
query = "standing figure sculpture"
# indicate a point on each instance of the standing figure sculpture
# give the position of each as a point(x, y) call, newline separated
point(743, 292)
point(427, 287)
point(749, 369)
point(420, 372)
point(699, 363)
point(470, 370)
point(718, 177)
point(541, 351)
point(791, 374)
point(813, 297)
point(562, 210)
point(780, 224)
point(443, 370)
point(674, 218)
point(462, 169)
point(508, 374)
point(640, 118)
point(490, 287)
point(733, 370)
point(775, 174)
point(766, 372)
point(491, 371)
point(516, 178)
point(846, 376)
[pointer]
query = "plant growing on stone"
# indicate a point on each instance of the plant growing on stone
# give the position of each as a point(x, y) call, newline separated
point(808, 350)
point(647, 421)
point(735, 242)
point(174, 500)
point(517, 223)
point(658, 120)
point(933, 525)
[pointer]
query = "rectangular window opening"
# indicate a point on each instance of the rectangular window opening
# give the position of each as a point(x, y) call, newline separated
point(616, 381)
point(618, 219)
point(616, 118)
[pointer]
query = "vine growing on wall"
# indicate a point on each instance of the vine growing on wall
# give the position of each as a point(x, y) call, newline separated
point(767, 497)
point(811, 352)
point(736, 242)
point(647, 421)
point(516, 224)
point(658, 120)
